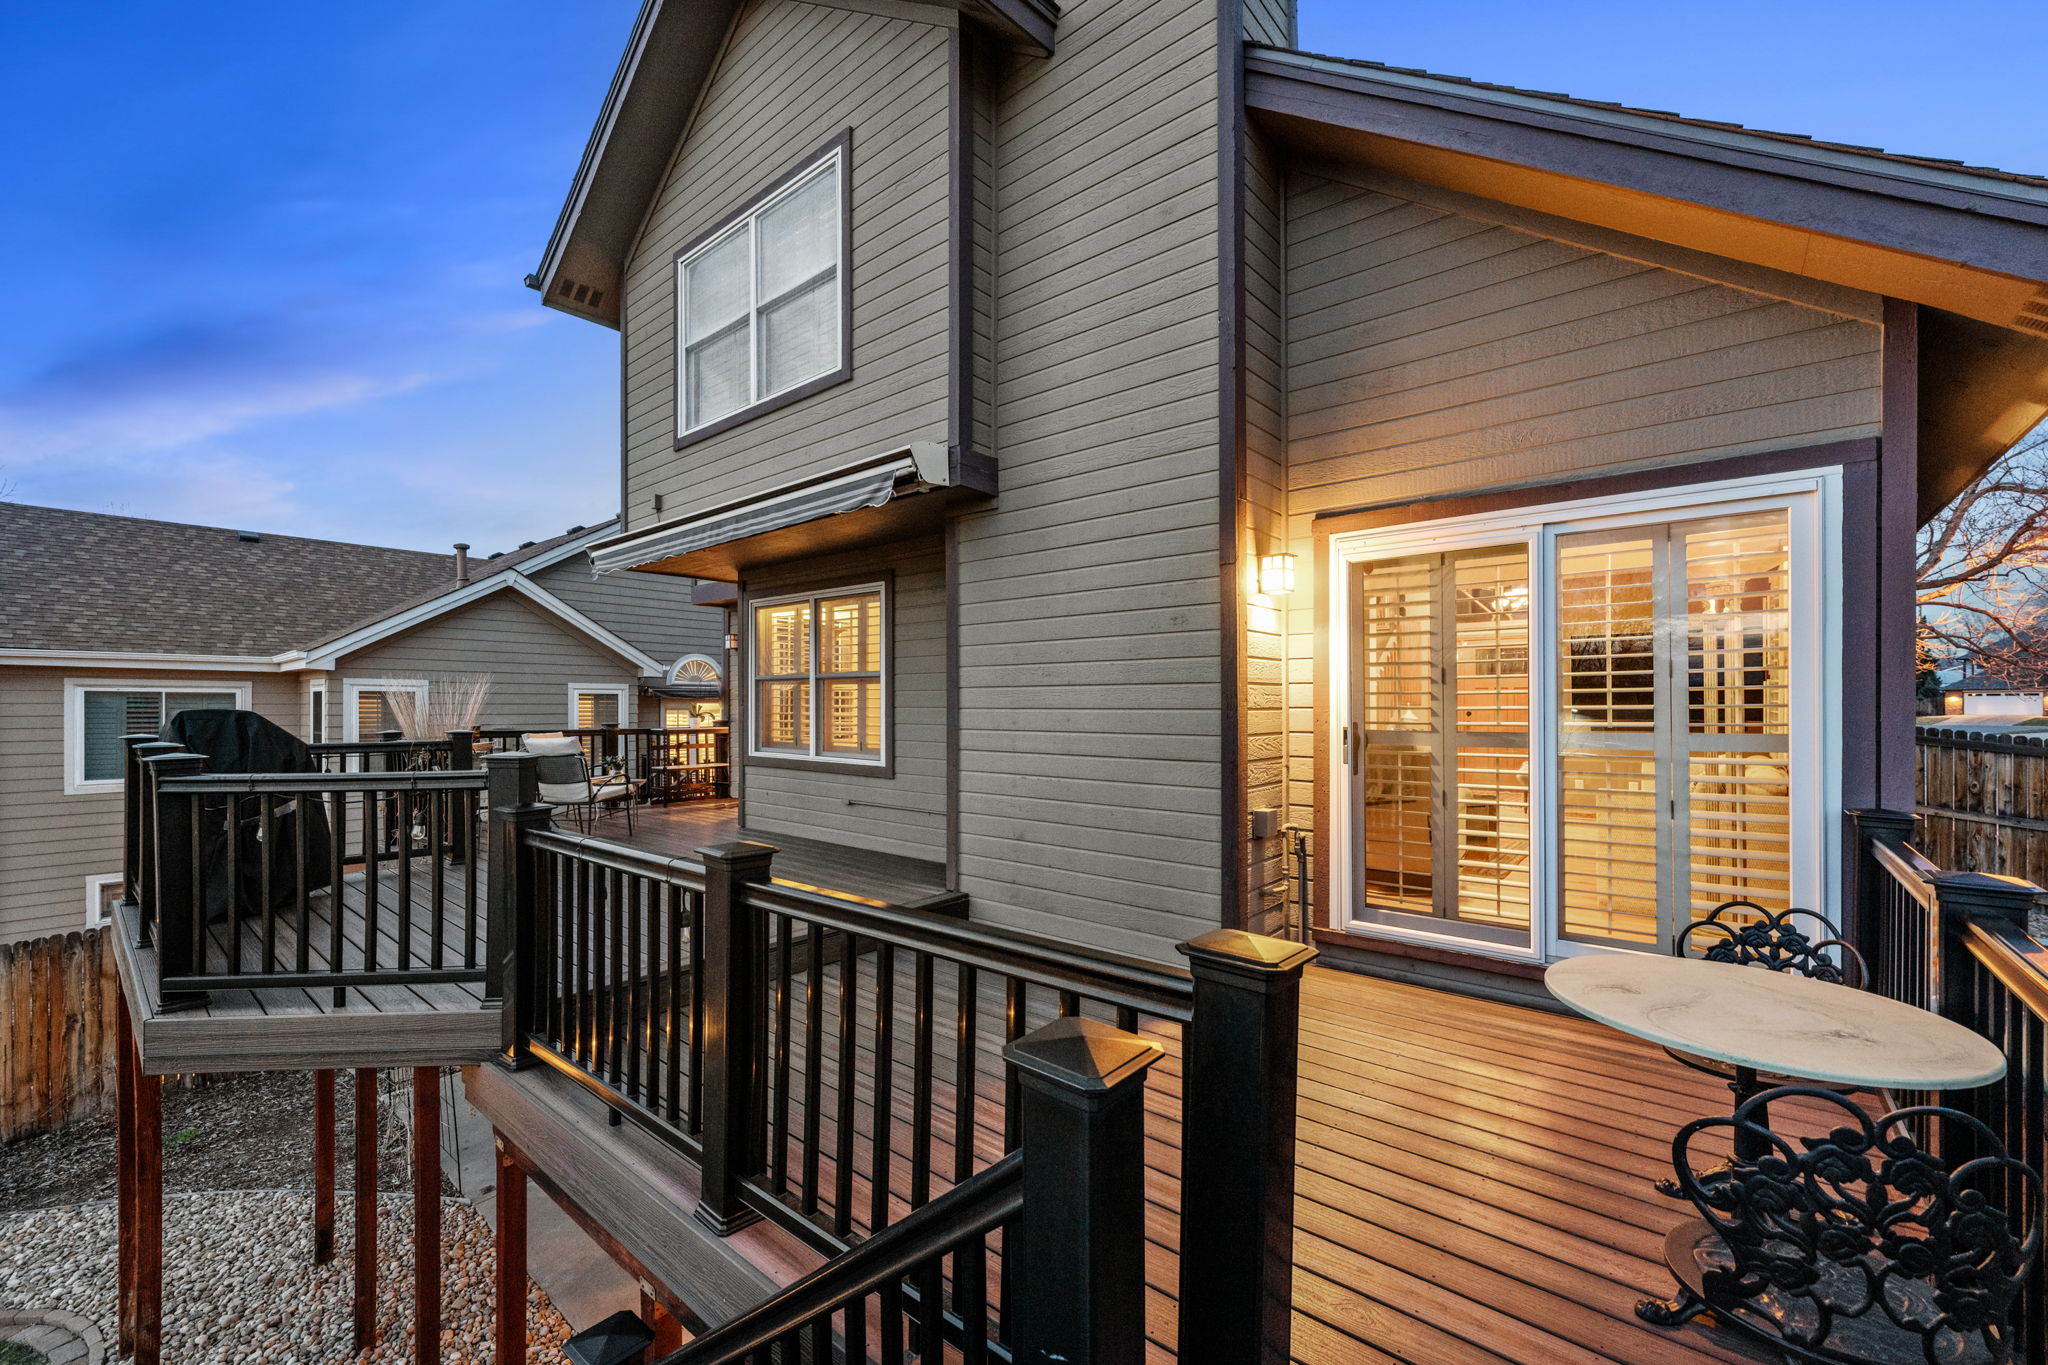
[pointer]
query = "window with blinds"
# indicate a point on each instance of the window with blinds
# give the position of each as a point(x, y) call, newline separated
point(596, 709)
point(108, 714)
point(819, 683)
point(1645, 777)
point(758, 307)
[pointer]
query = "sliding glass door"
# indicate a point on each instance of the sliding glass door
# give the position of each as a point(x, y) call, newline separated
point(1578, 731)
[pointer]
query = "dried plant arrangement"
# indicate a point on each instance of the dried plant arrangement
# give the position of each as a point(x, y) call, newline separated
point(452, 702)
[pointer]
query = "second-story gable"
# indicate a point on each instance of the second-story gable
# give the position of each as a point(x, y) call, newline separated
point(800, 95)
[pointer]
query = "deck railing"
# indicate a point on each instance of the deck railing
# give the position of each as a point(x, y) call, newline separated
point(670, 764)
point(835, 1066)
point(1961, 944)
point(333, 879)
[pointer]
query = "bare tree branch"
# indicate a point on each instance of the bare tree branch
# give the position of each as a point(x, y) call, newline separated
point(1982, 571)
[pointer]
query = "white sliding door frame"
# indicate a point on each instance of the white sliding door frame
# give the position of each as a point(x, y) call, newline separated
point(1811, 501)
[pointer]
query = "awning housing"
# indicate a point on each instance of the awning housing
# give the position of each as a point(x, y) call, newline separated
point(882, 499)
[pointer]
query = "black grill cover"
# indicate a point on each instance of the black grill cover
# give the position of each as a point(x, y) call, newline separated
point(244, 742)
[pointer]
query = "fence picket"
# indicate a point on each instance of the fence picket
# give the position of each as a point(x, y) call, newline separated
point(56, 998)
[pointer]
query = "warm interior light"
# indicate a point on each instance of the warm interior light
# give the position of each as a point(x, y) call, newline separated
point(1276, 575)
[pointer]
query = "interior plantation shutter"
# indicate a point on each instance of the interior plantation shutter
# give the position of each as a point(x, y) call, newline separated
point(595, 709)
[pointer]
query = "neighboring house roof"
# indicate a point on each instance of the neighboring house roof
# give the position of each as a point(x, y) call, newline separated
point(668, 60)
point(93, 588)
point(1984, 682)
point(93, 582)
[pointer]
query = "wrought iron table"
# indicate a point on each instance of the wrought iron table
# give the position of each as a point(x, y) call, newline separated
point(1769, 1022)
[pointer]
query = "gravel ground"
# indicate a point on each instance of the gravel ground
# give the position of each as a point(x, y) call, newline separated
point(245, 1132)
point(240, 1286)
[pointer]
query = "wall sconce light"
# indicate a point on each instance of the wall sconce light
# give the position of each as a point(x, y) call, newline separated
point(732, 640)
point(1276, 575)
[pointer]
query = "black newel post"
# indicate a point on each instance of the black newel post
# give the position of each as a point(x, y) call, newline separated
point(131, 817)
point(512, 908)
point(180, 915)
point(458, 815)
point(141, 798)
point(1239, 1058)
point(1868, 828)
point(1079, 1281)
point(1996, 902)
point(732, 954)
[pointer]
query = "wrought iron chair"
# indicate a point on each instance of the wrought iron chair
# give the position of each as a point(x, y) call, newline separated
point(565, 780)
point(1864, 1245)
point(1745, 934)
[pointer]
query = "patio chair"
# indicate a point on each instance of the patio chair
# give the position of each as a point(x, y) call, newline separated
point(565, 780)
point(1904, 1237)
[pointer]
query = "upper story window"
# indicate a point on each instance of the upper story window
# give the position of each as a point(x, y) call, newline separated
point(761, 302)
point(820, 688)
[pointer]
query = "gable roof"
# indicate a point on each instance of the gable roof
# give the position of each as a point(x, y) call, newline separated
point(87, 581)
point(1984, 682)
point(668, 61)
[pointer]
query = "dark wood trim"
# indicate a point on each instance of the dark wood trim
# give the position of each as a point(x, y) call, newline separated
point(363, 1307)
point(1791, 461)
point(1424, 952)
point(125, 1203)
point(959, 241)
point(843, 145)
point(426, 1214)
point(508, 1326)
point(1860, 607)
point(1897, 527)
point(1230, 447)
point(952, 552)
point(323, 1166)
point(148, 1331)
point(743, 740)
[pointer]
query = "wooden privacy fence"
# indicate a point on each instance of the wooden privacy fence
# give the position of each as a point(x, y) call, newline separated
point(1983, 801)
point(57, 1001)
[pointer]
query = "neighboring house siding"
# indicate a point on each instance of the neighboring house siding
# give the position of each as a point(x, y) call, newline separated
point(793, 76)
point(51, 842)
point(531, 655)
point(1432, 353)
point(904, 814)
point(1089, 659)
point(651, 611)
point(1271, 22)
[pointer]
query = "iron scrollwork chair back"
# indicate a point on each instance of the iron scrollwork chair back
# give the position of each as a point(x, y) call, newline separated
point(1867, 1221)
point(1745, 934)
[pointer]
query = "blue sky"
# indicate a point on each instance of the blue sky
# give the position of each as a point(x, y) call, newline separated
point(265, 259)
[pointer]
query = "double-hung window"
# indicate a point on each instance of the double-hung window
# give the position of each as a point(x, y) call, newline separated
point(97, 715)
point(820, 688)
point(760, 305)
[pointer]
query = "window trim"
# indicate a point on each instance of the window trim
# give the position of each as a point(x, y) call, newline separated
point(75, 783)
point(1813, 497)
point(95, 893)
point(841, 148)
point(619, 690)
point(885, 765)
point(353, 688)
point(319, 717)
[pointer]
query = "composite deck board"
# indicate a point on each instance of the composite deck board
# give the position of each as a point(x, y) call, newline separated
point(678, 831)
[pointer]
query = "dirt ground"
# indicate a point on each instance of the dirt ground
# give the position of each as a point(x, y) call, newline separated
point(252, 1131)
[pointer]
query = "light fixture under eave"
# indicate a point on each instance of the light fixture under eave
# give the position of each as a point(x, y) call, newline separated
point(1276, 575)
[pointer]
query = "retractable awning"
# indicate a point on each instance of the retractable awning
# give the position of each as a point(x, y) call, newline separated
point(890, 496)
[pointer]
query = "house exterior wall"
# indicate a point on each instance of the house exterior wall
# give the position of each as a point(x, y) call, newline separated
point(51, 841)
point(1090, 656)
point(792, 77)
point(532, 658)
point(1432, 354)
point(650, 611)
point(902, 811)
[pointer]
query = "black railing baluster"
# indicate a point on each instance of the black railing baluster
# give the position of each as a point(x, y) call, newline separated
point(233, 859)
point(931, 1310)
point(892, 1323)
point(634, 1025)
point(302, 900)
point(778, 1114)
point(848, 1081)
point(337, 872)
point(401, 815)
point(970, 1300)
point(682, 1091)
point(883, 1139)
point(615, 991)
point(814, 1061)
point(1016, 1012)
point(373, 879)
point(693, 905)
point(923, 1024)
point(437, 895)
point(964, 1070)
point(266, 834)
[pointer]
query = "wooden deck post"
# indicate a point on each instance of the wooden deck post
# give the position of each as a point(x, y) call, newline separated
point(508, 1328)
point(1079, 1281)
point(731, 953)
point(148, 1332)
point(323, 1167)
point(365, 1305)
point(512, 909)
point(1239, 1059)
point(124, 1172)
point(426, 1214)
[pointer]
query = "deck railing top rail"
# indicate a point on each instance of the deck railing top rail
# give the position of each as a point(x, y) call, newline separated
point(287, 784)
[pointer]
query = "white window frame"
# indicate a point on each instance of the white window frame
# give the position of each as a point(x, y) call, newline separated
point(95, 898)
point(832, 159)
point(675, 672)
point(75, 689)
point(353, 688)
point(1812, 501)
point(318, 690)
point(885, 674)
point(619, 690)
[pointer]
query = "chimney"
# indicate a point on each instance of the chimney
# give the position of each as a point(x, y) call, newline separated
point(461, 564)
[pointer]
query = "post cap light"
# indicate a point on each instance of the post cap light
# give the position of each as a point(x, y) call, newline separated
point(1276, 575)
